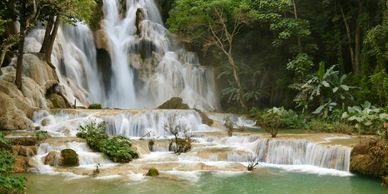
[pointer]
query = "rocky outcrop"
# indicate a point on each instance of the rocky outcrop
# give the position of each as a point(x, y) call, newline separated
point(53, 158)
point(174, 103)
point(17, 106)
point(370, 159)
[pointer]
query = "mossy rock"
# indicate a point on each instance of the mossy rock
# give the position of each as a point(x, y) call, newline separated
point(69, 158)
point(24, 141)
point(174, 103)
point(95, 106)
point(153, 172)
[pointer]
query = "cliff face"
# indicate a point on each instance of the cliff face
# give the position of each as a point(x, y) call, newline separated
point(17, 106)
point(371, 159)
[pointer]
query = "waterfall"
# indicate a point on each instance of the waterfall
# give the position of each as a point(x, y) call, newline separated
point(302, 152)
point(148, 66)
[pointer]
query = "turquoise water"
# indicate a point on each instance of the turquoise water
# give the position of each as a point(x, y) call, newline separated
point(261, 181)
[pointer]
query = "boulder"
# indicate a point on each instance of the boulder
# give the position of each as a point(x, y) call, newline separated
point(69, 158)
point(152, 172)
point(53, 158)
point(21, 164)
point(174, 103)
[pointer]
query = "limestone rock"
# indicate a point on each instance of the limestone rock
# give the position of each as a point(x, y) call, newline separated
point(53, 158)
point(21, 164)
point(174, 103)
point(27, 151)
point(370, 159)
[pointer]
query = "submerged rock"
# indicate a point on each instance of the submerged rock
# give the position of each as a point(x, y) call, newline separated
point(152, 172)
point(69, 158)
point(174, 103)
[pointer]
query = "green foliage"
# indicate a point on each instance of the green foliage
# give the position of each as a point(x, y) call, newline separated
point(325, 90)
point(118, 148)
point(319, 125)
point(379, 87)
point(95, 106)
point(366, 118)
point(8, 183)
point(279, 118)
point(94, 134)
point(41, 135)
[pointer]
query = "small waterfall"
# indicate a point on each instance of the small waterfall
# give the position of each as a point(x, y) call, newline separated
point(302, 152)
point(152, 123)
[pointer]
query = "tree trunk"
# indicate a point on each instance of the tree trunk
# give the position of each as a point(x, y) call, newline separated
point(357, 42)
point(19, 63)
point(237, 79)
point(49, 38)
point(49, 28)
point(296, 17)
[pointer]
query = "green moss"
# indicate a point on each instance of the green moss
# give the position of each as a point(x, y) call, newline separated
point(153, 172)
point(95, 106)
point(69, 157)
point(55, 103)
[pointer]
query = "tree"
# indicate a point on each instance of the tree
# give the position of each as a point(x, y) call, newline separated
point(70, 11)
point(214, 23)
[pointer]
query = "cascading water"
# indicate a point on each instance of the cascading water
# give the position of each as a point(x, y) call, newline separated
point(147, 67)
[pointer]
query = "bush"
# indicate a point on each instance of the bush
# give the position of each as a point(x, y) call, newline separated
point(276, 118)
point(366, 118)
point(41, 135)
point(118, 148)
point(94, 134)
point(9, 183)
point(319, 125)
point(95, 106)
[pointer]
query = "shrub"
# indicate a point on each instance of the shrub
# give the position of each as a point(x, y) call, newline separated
point(41, 135)
point(329, 127)
point(366, 118)
point(94, 134)
point(118, 148)
point(229, 125)
point(95, 106)
point(276, 118)
point(178, 145)
point(9, 183)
